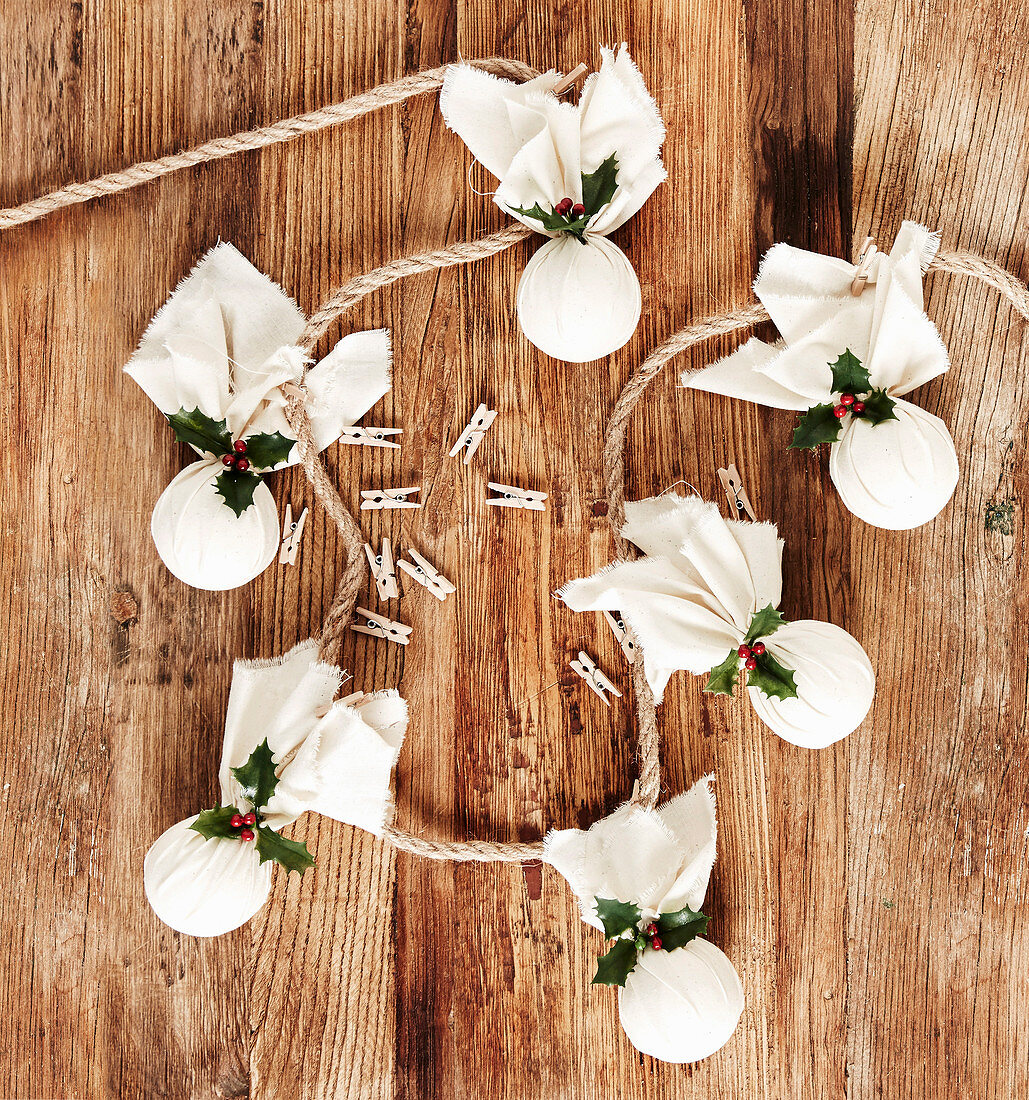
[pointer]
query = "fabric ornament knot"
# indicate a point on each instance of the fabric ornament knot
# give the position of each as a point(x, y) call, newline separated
point(288, 749)
point(640, 876)
point(704, 599)
point(217, 361)
point(575, 173)
point(845, 362)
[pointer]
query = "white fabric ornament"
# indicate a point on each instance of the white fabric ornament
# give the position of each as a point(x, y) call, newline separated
point(678, 1005)
point(223, 345)
point(695, 596)
point(331, 758)
point(579, 298)
point(896, 474)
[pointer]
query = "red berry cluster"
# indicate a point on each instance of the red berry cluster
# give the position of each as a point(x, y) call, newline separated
point(848, 403)
point(237, 459)
point(566, 206)
point(750, 654)
point(655, 939)
point(244, 822)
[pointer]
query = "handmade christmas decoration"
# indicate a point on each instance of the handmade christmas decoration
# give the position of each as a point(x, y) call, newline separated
point(288, 749)
point(640, 875)
point(850, 349)
point(215, 360)
point(574, 173)
point(705, 599)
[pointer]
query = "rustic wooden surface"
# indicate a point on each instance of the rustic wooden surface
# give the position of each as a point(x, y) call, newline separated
point(872, 895)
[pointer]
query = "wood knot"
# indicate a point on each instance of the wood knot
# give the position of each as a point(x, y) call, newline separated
point(124, 608)
point(600, 508)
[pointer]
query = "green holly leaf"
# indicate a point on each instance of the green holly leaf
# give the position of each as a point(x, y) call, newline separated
point(257, 778)
point(200, 431)
point(268, 449)
point(848, 375)
point(879, 406)
point(614, 967)
point(617, 916)
point(678, 928)
point(598, 187)
point(817, 425)
point(236, 488)
point(722, 680)
point(211, 824)
point(554, 222)
point(774, 679)
point(292, 854)
point(766, 621)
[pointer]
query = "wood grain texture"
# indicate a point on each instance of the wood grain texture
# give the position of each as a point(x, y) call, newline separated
point(873, 895)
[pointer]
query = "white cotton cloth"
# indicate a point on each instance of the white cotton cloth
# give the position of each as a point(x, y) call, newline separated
point(680, 1005)
point(339, 764)
point(224, 343)
point(691, 599)
point(573, 305)
point(898, 474)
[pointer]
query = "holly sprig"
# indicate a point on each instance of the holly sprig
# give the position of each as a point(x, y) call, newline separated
point(858, 397)
point(763, 671)
point(623, 923)
point(571, 217)
point(243, 458)
point(257, 782)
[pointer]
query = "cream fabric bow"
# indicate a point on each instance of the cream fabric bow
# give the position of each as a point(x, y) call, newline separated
point(897, 474)
point(223, 344)
point(679, 1005)
point(692, 599)
point(577, 299)
point(332, 758)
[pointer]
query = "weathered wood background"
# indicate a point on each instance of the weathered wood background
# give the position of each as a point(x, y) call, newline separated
point(873, 895)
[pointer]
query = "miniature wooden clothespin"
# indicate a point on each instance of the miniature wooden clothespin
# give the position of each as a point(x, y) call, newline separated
point(864, 266)
point(513, 497)
point(596, 681)
point(383, 571)
point(370, 437)
point(354, 700)
point(732, 483)
point(471, 437)
point(569, 79)
point(291, 535)
point(426, 574)
point(626, 638)
point(378, 499)
point(378, 626)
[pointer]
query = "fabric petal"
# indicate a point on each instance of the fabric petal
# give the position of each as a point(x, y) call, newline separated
point(742, 375)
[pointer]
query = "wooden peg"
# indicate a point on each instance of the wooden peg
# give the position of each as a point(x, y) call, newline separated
point(569, 79)
point(732, 483)
point(864, 267)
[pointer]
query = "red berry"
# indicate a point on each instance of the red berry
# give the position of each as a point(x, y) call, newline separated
point(847, 399)
point(242, 463)
point(228, 460)
point(859, 406)
point(250, 819)
point(247, 834)
point(840, 412)
point(578, 210)
point(656, 943)
point(758, 649)
point(750, 664)
point(236, 821)
point(652, 929)
point(744, 651)
point(240, 446)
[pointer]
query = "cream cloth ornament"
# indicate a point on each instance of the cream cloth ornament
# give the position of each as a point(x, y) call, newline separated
point(709, 586)
point(678, 1003)
point(895, 473)
point(332, 758)
point(214, 360)
point(574, 172)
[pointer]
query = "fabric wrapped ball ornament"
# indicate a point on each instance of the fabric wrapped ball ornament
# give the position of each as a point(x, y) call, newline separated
point(640, 876)
point(846, 361)
point(215, 360)
point(288, 749)
point(704, 599)
point(574, 172)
